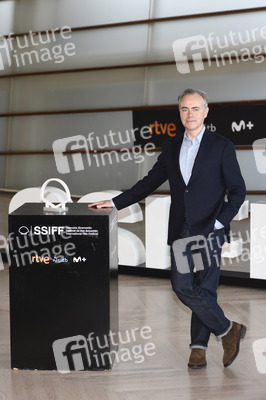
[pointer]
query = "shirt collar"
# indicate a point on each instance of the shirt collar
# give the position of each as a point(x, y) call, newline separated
point(197, 139)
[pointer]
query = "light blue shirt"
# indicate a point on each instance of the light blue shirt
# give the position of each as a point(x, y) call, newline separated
point(188, 152)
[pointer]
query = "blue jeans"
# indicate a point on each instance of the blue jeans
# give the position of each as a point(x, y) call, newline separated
point(195, 277)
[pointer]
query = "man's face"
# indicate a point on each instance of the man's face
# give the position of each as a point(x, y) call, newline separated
point(192, 113)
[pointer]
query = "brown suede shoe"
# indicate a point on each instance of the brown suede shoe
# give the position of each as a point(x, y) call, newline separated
point(231, 343)
point(197, 359)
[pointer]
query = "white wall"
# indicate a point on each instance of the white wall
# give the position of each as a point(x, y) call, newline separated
point(6, 26)
point(6, 16)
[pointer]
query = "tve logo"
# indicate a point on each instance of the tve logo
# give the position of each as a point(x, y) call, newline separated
point(40, 259)
point(163, 128)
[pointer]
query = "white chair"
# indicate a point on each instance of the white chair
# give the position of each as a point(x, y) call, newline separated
point(243, 211)
point(3, 249)
point(131, 250)
point(235, 247)
point(156, 223)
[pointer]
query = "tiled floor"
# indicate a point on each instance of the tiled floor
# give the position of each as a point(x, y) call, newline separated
point(162, 375)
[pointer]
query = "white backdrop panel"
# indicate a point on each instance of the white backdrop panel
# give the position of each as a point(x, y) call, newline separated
point(39, 14)
point(234, 82)
point(253, 178)
point(164, 34)
point(66, 49)
point(167, 8)
point(4, 95)
point(39, 132)
point(117, 88)
point(6, 16)
point(115, 174)
point(3, 133)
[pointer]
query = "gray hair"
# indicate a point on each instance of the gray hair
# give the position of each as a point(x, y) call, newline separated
point(194, 91)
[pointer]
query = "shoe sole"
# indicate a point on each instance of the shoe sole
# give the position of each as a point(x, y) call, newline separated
point(191, 366)
point(241, 336)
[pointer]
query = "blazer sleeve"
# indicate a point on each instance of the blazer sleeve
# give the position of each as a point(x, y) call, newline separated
point(234, 183)
point(144, 187)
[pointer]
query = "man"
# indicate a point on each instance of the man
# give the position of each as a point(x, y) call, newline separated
point(201, 167)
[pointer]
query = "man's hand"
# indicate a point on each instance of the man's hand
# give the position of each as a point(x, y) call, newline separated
point(101, 204)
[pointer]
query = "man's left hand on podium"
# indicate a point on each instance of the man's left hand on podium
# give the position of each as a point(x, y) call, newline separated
point(101, 204)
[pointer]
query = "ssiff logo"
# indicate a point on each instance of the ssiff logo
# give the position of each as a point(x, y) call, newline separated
point(71, 354)
point(191, 252)
point(61, 147)
point(193, 48)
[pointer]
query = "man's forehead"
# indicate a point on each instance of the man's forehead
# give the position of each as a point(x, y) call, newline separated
point(192, 100)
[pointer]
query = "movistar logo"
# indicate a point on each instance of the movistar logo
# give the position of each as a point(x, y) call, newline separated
point(242, 125)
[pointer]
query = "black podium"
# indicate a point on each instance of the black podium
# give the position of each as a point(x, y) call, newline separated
point(63, 288)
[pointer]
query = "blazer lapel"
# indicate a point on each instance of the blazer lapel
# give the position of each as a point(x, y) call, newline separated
point(176, 153)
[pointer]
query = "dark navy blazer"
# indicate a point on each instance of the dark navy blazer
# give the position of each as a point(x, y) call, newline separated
point(202, 200)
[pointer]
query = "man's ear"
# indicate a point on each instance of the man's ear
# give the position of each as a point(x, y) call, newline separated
point(206, 112)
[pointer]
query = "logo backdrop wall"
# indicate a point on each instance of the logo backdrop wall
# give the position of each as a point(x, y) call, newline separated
point(242, 124)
